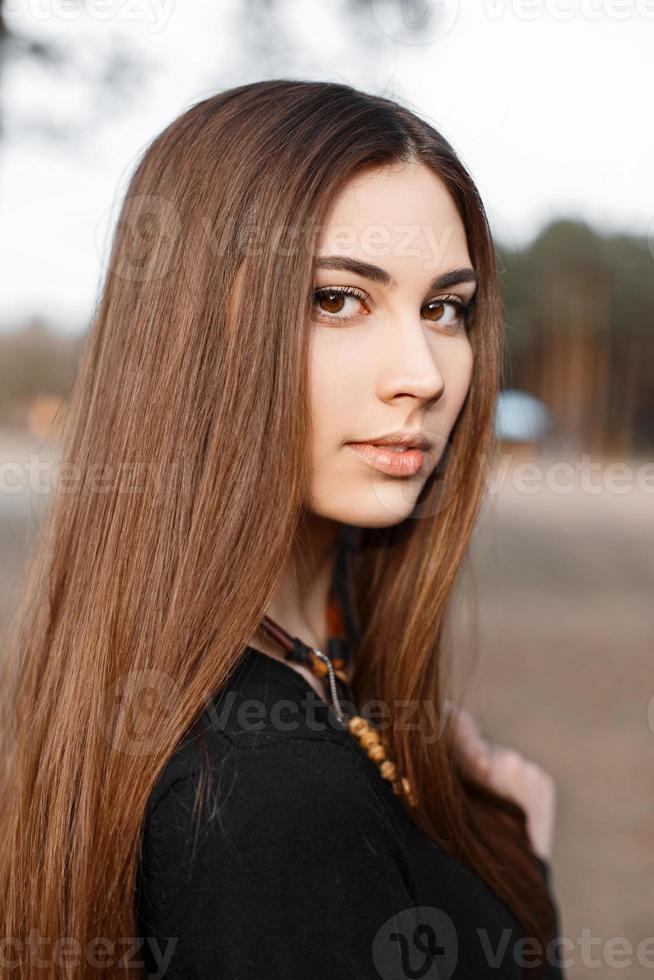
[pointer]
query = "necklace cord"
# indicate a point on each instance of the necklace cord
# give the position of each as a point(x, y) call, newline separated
point(367, 736)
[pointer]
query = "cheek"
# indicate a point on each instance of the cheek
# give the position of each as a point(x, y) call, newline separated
point(458, 365)
point(333, 383)
point(468, 366)
point(455, 360)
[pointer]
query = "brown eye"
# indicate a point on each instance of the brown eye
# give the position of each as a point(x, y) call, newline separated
point(449, 312)
point(330, 301)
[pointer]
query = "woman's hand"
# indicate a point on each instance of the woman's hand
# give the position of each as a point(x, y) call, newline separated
point(509, 773)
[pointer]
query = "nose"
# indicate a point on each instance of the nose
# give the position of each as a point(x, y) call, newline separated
point(407, 365)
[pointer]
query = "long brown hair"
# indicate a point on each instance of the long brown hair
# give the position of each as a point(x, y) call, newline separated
point(156, 565)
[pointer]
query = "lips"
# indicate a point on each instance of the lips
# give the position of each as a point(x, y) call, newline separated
point(393, 459)
point(399, 438)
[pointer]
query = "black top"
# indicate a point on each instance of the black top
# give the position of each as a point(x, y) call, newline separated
point(306, 866)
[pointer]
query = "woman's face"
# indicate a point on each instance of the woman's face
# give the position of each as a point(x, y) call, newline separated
point(392, 352)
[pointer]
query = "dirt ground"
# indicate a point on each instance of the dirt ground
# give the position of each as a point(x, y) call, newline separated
point(564, 672)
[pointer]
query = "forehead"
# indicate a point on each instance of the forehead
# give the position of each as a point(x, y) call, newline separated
point(401, 215)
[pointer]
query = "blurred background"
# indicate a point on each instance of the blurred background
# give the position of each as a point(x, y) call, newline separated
point(547, 105)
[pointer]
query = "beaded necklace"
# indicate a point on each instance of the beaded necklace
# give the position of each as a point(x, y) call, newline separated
point(333, 666)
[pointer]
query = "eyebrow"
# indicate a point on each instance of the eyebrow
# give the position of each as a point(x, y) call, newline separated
point(378, 275)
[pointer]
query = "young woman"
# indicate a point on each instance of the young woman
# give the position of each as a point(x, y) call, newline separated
point(228, 750)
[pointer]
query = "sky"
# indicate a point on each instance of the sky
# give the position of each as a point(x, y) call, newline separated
point(547, 102)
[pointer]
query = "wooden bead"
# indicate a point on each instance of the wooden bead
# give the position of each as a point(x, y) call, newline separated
point(370, 737)
point(319, 667)
point(388, 770)
point(358, 725)
point(376, 753)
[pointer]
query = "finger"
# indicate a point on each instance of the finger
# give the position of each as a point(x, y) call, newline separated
point(473, 748)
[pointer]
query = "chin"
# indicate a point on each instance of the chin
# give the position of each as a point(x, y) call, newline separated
point(380, 504)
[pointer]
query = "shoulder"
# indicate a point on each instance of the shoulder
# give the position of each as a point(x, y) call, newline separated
point(265, 727)
point(293, 858)
point(312, 802)
point(304, 780)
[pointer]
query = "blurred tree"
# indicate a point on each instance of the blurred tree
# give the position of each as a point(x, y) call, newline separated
point(115, 71)
point(579, 311)
point(263, 35)
point(632, 351)
point(264, 32)
point(35, 362)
